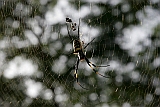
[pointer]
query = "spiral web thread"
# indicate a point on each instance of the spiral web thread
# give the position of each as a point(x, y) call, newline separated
point(37, 67)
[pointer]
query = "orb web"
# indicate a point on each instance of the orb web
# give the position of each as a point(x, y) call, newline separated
point(37, 64)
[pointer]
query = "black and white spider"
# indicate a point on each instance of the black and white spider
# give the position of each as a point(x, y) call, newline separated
point(78, 49)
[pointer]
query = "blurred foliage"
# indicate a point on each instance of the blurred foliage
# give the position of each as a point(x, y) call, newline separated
point(13, 91)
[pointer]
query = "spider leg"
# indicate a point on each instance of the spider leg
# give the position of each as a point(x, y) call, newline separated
point(68, 20)
point(78, 29)
point(69, 33)
point(91, 65)
point(76, 74)
point(89, 43)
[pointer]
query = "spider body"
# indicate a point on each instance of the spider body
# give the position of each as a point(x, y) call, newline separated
point(77, 46)
point(78, 49)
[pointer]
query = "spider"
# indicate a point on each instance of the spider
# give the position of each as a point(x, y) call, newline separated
point(78, 49)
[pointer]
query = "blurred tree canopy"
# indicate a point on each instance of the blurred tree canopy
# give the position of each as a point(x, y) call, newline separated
point(37, 65)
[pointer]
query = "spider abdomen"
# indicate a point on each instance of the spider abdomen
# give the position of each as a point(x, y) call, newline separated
point(77, 46)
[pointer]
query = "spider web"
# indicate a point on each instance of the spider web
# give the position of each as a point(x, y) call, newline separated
point(37, 67)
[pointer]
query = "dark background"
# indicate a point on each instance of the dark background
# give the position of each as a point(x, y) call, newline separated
point(37, 67)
